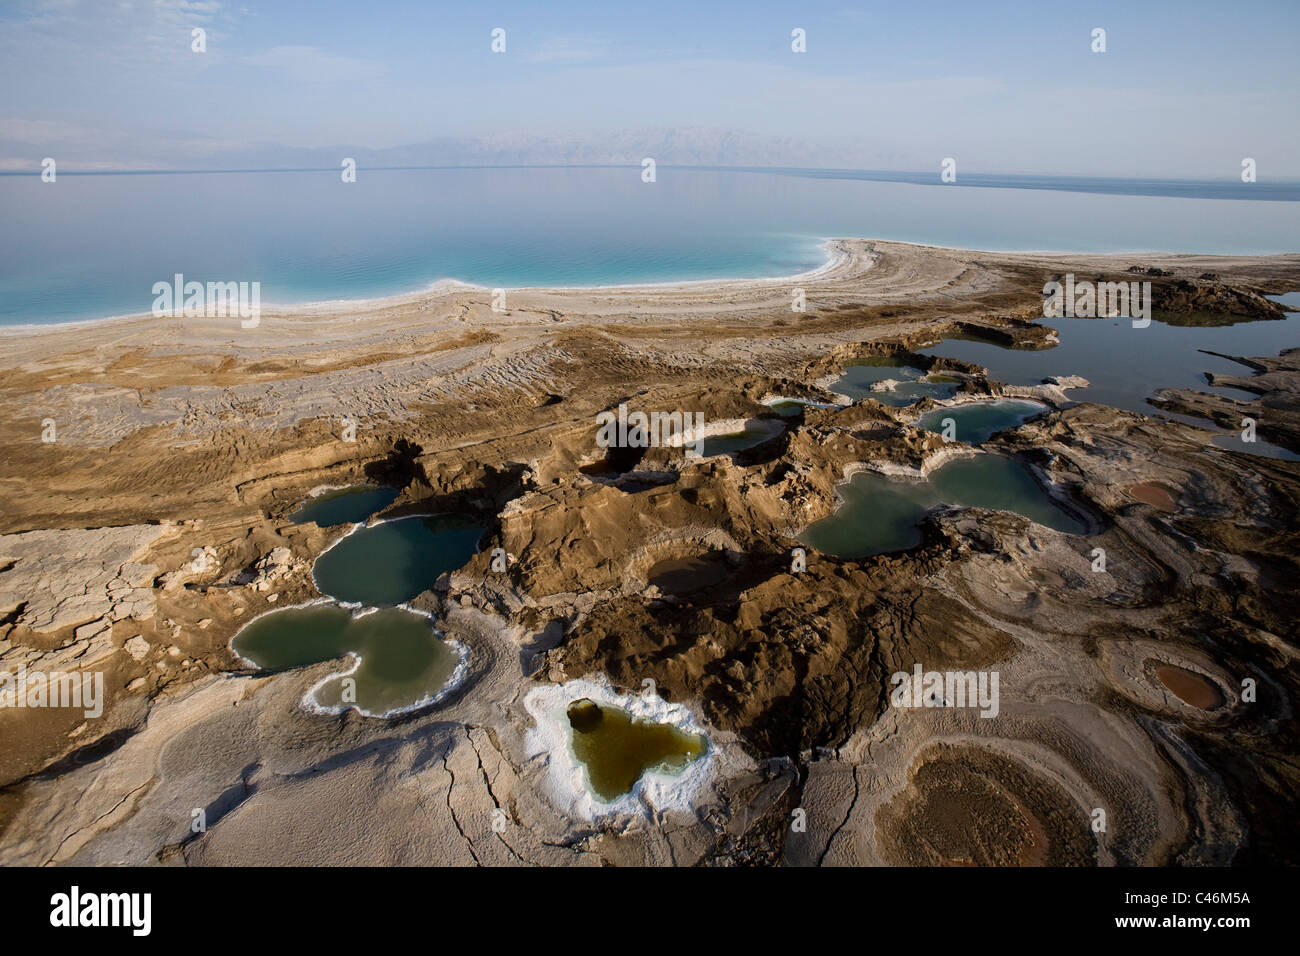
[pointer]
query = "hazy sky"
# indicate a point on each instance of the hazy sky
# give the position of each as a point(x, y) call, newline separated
point(1184, 89)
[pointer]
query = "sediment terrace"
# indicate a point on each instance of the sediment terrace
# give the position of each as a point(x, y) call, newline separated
point(185, 438)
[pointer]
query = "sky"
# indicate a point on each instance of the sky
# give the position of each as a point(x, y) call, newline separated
point(1184, 89)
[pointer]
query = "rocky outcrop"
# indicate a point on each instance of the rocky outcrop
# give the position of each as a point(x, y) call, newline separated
point(1208, 296)
point(272, 569)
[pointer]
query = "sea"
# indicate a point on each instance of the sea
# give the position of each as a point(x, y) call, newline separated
point(90, 246)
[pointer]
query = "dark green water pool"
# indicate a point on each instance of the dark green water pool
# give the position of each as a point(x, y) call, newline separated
point(736, 441)
point(393, 561)
point(403, 661)
point(882, 514)
point(788, 408)
point(345, 506)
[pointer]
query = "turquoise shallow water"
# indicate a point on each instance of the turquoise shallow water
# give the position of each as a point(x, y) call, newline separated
point(912, 385)
point(86, 247)
point(976, 422)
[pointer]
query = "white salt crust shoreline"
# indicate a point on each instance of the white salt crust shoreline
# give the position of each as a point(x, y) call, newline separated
point(728, 426)
point(838, 254)
point(770, 400)
point(270, 610)
point(308, 700)
point(454, 681)
point(326, 489)
point(550, 740)
point(961, 401)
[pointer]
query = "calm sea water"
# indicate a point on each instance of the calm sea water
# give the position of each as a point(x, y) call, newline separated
point(1124, 365)
point(93, 246)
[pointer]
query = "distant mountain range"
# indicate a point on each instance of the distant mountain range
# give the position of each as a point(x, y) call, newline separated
point(81, 151)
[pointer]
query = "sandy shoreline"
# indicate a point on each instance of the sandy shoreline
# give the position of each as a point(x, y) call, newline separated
point(385, 360)
point(833, 246)
point(861, 271)
point(448, 285)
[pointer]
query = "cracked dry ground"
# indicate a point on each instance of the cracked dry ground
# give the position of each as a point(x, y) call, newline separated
point(178, 445)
